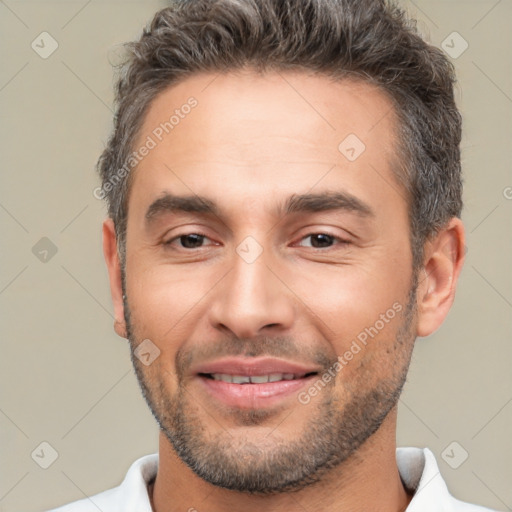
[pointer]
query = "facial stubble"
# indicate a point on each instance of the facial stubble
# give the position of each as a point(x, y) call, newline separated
point(272, 464)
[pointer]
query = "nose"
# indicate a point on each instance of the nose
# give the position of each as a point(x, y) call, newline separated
point(252, 297)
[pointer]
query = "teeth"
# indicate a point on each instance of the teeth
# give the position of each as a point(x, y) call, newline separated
point(254, 379)
point(223, 376)
point(259, 379)
point(240, 379)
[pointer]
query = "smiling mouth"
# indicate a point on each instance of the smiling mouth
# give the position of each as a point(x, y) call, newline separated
point(256, 379)
point(242, 391)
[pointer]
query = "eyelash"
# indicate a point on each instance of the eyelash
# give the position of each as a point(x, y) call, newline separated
point(341, 241)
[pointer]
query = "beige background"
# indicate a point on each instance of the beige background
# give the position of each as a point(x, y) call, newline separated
point(66, 377)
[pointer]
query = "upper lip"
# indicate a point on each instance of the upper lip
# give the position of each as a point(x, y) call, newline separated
point(254, 366)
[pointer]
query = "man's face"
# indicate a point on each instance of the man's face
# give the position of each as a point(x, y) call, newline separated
point(254, 288)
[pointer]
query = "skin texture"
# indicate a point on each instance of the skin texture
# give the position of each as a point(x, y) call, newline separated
point(250, 143)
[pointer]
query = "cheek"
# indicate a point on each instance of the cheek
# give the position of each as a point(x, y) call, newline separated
point(163, 299)
point(349, 299)
point(360, 316)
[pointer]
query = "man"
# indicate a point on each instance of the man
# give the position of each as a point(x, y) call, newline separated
point(284, 193)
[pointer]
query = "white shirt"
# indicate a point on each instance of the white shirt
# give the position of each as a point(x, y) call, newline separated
point(417, 467)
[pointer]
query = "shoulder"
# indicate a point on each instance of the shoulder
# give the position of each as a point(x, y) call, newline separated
point(421, 476)
point(130, 495)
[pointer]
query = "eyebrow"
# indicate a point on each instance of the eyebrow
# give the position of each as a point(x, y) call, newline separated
point(296, 203)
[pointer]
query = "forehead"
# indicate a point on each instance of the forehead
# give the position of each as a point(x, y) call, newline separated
point(279, 130)
point(296, 100)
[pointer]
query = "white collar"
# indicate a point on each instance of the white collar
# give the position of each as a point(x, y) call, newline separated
point(417, 468)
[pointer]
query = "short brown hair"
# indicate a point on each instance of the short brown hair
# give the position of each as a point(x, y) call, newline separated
point(369, 40)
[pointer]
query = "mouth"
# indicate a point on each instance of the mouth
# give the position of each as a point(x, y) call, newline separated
point(254, 391)
point(256, 379)
point(253, 383)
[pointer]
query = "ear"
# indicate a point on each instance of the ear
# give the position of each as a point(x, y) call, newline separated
point(114, 272)
point(444, 257)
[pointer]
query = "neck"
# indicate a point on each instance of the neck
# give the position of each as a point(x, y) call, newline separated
point(368, 480)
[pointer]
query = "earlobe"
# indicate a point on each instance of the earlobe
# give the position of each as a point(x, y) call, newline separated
point(444, 258)
point(120, 328)
point(114, 271)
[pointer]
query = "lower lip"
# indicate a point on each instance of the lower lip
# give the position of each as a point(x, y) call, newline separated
point(251, 396)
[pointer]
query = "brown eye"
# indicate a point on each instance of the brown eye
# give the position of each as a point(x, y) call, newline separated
point(323, 240)
point(188, 240)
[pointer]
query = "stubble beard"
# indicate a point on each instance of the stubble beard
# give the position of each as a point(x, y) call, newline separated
point(273, 464)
